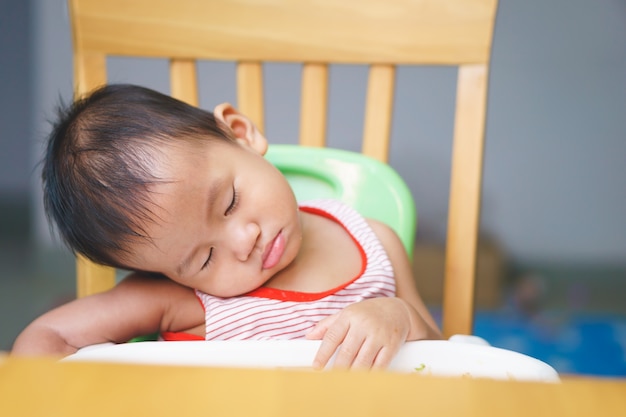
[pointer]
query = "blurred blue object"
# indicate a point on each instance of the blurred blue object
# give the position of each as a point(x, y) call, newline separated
point(572, 343)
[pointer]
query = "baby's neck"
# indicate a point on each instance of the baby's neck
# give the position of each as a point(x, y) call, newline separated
point(328, 258)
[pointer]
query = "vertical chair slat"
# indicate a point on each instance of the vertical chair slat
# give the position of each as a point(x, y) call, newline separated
point(90, 72)
point(314, 104)
point(464, 208)
point(378, 111)
point(92, 278)
point(250, 92)
point(184, 80)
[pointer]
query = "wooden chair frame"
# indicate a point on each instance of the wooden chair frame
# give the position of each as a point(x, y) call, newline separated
point(381, 34)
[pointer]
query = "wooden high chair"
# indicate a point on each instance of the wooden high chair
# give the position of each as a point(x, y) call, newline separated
point(316, 33)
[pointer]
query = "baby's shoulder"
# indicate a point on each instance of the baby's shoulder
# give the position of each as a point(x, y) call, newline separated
point(387, 236)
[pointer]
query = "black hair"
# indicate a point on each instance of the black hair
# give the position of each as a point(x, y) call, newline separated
point(99, 163)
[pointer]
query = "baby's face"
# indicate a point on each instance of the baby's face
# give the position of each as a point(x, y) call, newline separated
point(225, 222)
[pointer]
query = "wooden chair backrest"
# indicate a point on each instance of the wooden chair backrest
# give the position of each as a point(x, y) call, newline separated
point(316, 33)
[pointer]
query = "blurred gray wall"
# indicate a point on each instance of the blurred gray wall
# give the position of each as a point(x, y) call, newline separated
point(16, 118)
point(554, 180)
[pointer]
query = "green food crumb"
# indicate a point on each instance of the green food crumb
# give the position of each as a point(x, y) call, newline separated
point(421, 367)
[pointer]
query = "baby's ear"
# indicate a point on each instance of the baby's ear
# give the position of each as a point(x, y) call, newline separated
point(243, 129)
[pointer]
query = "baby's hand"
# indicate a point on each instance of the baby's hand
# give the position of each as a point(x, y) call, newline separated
point(367, 334)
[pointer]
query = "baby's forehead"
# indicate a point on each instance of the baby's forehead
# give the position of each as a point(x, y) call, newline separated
point(164, 150)
point(168, 160)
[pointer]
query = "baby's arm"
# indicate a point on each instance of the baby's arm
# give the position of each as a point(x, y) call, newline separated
point(370, 333)
point(138, 306)
point(423, 326)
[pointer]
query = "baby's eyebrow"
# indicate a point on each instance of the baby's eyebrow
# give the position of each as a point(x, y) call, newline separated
point(215, 189)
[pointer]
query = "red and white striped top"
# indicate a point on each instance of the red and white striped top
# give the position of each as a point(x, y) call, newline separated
point(268, 313)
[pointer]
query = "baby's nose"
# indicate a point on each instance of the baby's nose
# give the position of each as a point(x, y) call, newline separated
point(246, 240)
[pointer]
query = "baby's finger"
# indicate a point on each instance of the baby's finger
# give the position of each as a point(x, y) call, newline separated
point(366, 356)
point(321, 327)
point(384, 358)
point(348, 352)
point(333, 338)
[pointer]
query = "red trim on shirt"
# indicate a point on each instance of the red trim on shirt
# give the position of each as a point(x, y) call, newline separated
point(286, 295)
point(180, 337)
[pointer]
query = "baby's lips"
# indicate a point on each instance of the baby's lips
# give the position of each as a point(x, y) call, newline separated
point(274, 251)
